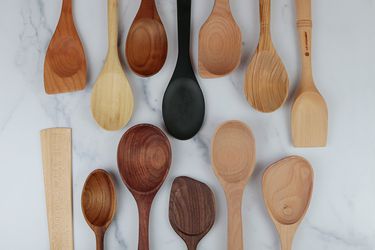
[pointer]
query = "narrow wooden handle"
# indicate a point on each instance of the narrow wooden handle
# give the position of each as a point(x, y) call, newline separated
point(221, 5)
point(234, 201)
point(303, 9)
point(144, 207)
point(286, 237)
point(113, 27)
point(99, 240)
point(147, 9)
point(67, 6)
point(265, 12)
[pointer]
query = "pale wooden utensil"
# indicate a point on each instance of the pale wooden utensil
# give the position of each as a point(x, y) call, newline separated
point(57, 170)
point(233, 159)
point(287, 188)
point(309, 118)
point(112, 97)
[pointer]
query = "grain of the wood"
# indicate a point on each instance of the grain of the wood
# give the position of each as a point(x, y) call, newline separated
point(65, 62)
point(112, 98)
point(57, 171)
point(309, 115)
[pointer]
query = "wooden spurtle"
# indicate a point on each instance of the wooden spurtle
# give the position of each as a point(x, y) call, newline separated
point(266, 80)
point(98, 203)
point(309, 118)
point(183, 102)
point(144, 158)
point(233, 159)
point(65, 62)
point(57, 169)
point(112, 97)
point(219, 42)
point(146, 44)
point(191, 210)
point(287, 187)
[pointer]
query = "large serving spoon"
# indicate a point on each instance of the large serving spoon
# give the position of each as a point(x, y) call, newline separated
point(219, 42)
point(287, 187)
point(266, 80)
point(191, 210)
point(183, 102)
point(98, 203)
point(146, 44)
point(65, 62)
point(112, 97)
point(309, 118)
point(233, 159)
point(144, 158)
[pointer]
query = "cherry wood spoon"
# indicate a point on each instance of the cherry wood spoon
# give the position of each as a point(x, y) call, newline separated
point(287, 187)
point(144, 158)
point(233, 158)
point(98, 203)
point(146, 44)
point(191, 210)
point(65, 62)
point(219, 42)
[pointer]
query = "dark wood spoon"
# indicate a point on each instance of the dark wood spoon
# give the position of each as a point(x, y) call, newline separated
point(191, 210)
point(183, 102)
point(144, 158)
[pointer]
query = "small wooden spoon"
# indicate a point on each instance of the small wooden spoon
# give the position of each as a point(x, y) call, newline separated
point(191, 210)
point(144, 158)
point(112, 98)
point(146, 44)
point(98, 203)
point(287, 187)
point(65, 62)
point(219, 42)
point(309, 118)
point(233, 159)
point(266, 80)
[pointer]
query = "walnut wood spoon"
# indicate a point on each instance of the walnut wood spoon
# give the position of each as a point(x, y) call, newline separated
point(144, 158)
point(65, 62)
point(233, 159)
point(191, 210)
point(98, 203)
point(266, 80)
point(287, 187)
point(146, 44)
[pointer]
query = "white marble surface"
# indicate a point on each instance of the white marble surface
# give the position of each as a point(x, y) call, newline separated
point(341, 215)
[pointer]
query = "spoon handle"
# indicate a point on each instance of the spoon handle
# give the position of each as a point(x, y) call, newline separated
point(183, 19)
point(147, 9)
point(234, 200)
point(144, 207)
point(286, 236)
point(112, 27)
point(265, 42)
point(67, 6)
point(99, 235)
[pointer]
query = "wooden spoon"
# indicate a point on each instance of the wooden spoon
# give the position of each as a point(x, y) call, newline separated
point(112, 98)
point(266, 80)
point(98, 203)
point(65, 62)
point(233, 159)
point(309, 118)
point(183, 102)
point(191, 210)
point(146, 44)
point(287, 187)
point(219, 42)
point(144, 158)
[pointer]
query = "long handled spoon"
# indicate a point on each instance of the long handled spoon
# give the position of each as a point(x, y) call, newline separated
point(146, 44)
point(98, 203)
point(309, 118)
point(233, 159)
point(144, 158)
point(112, 97)
point(287, 187)
point(191, 210)
point(65, 63)
point(266, 80)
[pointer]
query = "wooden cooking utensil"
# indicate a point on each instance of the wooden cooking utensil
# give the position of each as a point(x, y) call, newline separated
point(309, 118)
point(57, 170)
point(183, 102)
point(233, 158)
point(112, 97)
point(144, 158)
point(65, 62)
point(287, 187)
point(98, 203)
point(219, 42)
point(266, 80)
point(191, 210)
point(147, 44)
